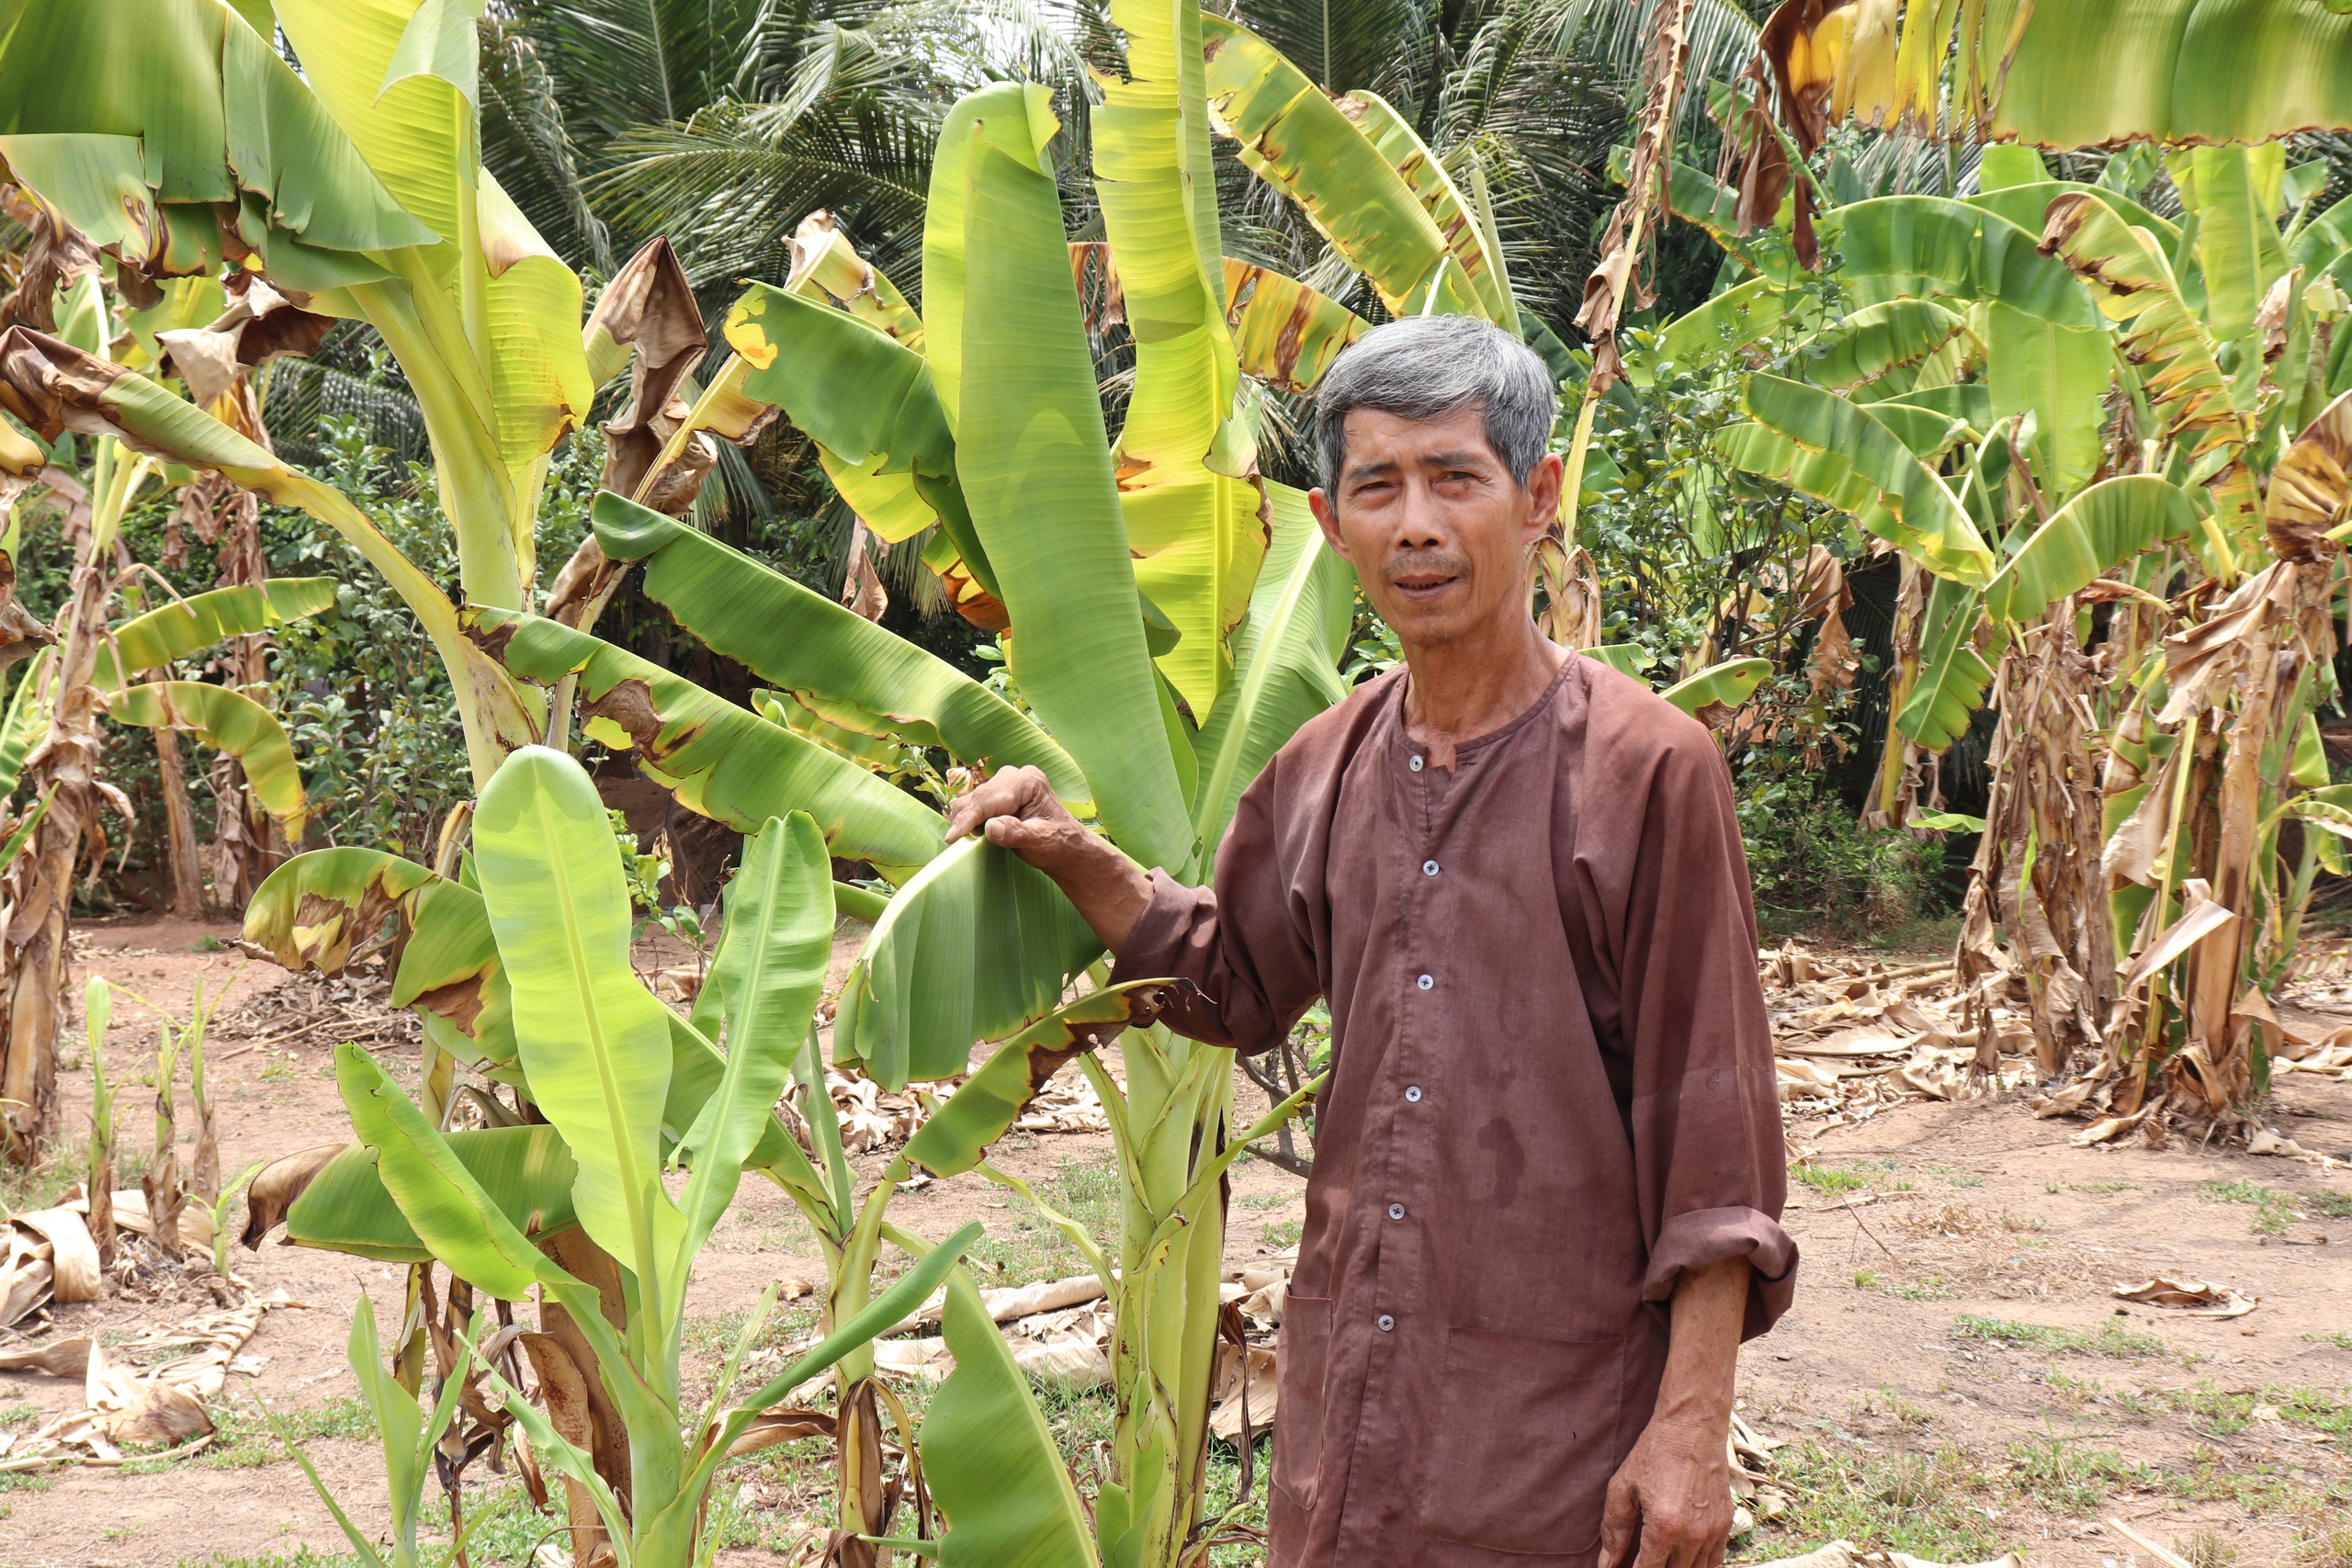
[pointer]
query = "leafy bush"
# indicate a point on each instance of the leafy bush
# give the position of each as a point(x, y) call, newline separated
point(1813, 867)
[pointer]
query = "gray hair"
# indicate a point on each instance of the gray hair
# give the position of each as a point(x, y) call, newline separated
point(1428, 366)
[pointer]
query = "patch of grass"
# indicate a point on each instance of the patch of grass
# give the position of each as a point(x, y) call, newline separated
point(2273, 1208)
point(2061, 1476)
point(1932, 1504)
point(714, 1335)
point(2340, 1339)
point(277, 1070)
point(1933, 1290)
point(246, 1440)
point(303, 1557)
point(2334, 1205)
point(2206, 1549)
point(2322, 1545)
point(1259, 1202)
point(2112, 1338)
point(1032, 1248)
point(23, 1480)
point(1828, 1182)
point(1966, 1180)
point(18, 1413)
point(2224, 1415)
point(1283, 1232)
point(1864, 1279)
point(207, 942)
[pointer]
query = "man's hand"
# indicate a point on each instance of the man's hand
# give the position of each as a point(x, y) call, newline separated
point(1669, 1504)
point(1675, 1489)
point(1017, 810)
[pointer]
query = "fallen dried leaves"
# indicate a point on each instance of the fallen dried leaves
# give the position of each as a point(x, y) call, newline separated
point(2191, 1298)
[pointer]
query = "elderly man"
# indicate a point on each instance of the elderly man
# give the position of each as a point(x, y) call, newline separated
point(1548, 1168)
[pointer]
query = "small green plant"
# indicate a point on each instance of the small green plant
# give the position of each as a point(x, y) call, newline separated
point(2206, 1549)
point(1281, 1233)
point(2112, 1338)
point(1864, 1279)
point(2273, 1208)
point(217, 1209)
point(98, 1012)
point(207, 942)
point(1829, 1181)
point(2334, 1205)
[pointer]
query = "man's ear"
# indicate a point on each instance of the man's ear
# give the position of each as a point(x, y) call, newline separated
point(1543, 485)
point(1326, 517)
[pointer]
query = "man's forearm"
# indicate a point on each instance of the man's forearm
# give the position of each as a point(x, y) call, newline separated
point(1702, 1354)
point(1109, 889)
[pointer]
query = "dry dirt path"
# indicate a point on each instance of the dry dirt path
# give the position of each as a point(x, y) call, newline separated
point(1954, 1373)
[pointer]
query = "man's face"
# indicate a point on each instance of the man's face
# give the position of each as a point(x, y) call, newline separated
point(1437, 529)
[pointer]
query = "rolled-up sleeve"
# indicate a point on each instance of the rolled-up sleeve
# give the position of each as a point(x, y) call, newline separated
point(1709, 1166)
point(1242, 943)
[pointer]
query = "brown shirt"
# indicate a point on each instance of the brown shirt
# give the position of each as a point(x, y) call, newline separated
point(1552, 1091)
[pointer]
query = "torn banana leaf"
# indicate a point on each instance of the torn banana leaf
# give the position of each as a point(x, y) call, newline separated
point(978, 947)
point(842, 667)
point(526, 1171)
point(1880, 338)
point(719, 759)
point(1722, 685)
point(175, 632)
point(959, 1132)
point(1916, 245)
point(2086, 538)
point(1952, 674)
point(1450, 214)
point(226, 721)
point(1843, 452)
point(311, 912)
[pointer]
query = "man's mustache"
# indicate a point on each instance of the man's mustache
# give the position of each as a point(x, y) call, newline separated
point(1423, 563)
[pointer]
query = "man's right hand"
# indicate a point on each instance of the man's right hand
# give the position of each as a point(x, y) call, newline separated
point(1018, 810)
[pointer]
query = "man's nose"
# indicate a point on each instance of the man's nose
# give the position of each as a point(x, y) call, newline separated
point(1421, 522)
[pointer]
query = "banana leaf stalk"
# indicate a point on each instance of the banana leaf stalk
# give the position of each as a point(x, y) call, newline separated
point(98, 1012)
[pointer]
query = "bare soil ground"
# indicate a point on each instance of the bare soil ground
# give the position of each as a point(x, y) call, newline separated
point(1956, 1378)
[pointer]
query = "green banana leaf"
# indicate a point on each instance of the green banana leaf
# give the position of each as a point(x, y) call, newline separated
point(978, 947)
point(1288, 653)
point(1626, 658)
point(2059, 373)
point(865, 397)
point(1729, 322)
point(526, 1171)
point(227, 720)
point(161, 637)
point(958, 1134)
point(592, 1041)
point(1897, 245)
point(1842, 453)
point(719, 759)
point(2090, 536)
point(993, 1464)
point(2238, 251)
point(1726, 685)
point(27, 717)
point(1403, 150)
point(842, 667)
point(1952, 673)
point(1036, 467)
point(766, 976)
point(2027, 205)
point(1304, 145)
point(1880, 338)
point(1285, 334)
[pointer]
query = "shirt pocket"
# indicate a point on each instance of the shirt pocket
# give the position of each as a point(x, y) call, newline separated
point(1305, 1358)
point(1524, 1441)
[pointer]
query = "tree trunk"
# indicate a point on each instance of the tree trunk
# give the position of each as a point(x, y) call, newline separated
point(179, 824)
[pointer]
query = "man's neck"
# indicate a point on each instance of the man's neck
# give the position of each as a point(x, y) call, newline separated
point(1461, 690)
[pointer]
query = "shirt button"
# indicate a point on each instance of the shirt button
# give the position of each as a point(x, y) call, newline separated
point(1413, 1093)
point(1429, 868)
point(1425, 982)
point(1395, 1211)
point(1385, 1321)
point(1415, 764)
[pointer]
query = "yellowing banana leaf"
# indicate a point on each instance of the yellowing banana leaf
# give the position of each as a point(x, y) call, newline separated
point(984, 1109)
point(2309, 499)
point(2059, 373)
point(1450, 214)
point(1879, 338)
point(825, 264)
point(1184, 461)
point(845, 669)
point(1927, 244)
point(867, 399)
point(1285, 334)
point(2179, 370)
point(312, 911)
point(978, 947)
point(1952, 673)
point(592, 1041)
point(719, 759)
point(526, 1171)
point(768, 971)
point(2086, 538)
point(993, 1466)
point(229, 721)
point(1838, 452)
point(1035, 466)
point(1301, 143)
point(175, 631)
point(1297, 633)
point(2027, 205)
point(1720, 685)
